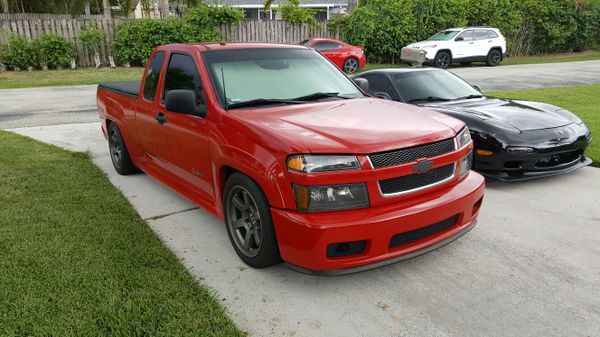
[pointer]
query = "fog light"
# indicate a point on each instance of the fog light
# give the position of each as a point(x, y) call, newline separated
point(465, 163)
point(346, 248)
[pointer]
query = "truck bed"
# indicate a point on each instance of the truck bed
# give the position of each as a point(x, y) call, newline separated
point(129, 88)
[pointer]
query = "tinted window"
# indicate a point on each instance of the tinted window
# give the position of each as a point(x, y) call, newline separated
point(182, 74)
point(151, 81)
point(466, 35)
point(327, 46)
point(492, 34)
point(481, 35)
point(381, 83)
point(435, 83)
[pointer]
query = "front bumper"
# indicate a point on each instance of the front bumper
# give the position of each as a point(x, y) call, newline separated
point(413, 55)
point(303, 238)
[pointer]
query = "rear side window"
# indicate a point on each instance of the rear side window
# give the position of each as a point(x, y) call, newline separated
point(182, 74)
point(327, 46)
point(492, 34)
point(151, 81)
point(466, 35)
point(481, 34)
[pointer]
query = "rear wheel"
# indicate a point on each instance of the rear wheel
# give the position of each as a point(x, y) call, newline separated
point(350, 65)
point(442, 60)
point(118, 151)
point(249, 223)
point(494, 58)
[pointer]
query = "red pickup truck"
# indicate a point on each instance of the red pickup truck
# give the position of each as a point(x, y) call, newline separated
point(298, 161)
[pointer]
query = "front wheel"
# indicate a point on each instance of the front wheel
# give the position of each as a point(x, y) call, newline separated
point(249, 223)
point(494, 57)
point(350, 65)
point(442, 60)
point(118, 151)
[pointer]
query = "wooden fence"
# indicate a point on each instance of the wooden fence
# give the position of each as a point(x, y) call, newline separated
point(30, 26)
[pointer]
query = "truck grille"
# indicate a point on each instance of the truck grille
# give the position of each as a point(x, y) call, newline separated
point(402, 156)
point(421, 233)
point(416, 181)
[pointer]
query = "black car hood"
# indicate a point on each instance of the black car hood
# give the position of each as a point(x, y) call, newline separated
point(523, 115)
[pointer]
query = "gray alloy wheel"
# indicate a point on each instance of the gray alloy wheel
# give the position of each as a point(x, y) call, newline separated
point(351, 65)
point(118, 151)
point(442, 60)
point(244, 221)
point(494, 58)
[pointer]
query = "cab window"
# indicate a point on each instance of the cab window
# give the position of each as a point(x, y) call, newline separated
point(182, 74)
point(151, 80)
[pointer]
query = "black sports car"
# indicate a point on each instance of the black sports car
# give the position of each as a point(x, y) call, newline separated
point(514, 140)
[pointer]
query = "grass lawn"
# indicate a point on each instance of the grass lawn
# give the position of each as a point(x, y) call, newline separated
point(38, 78)
point(551, 58)
point(582, 100)
point(76, 260)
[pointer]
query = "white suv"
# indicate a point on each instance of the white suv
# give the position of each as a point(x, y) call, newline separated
point(464, 45)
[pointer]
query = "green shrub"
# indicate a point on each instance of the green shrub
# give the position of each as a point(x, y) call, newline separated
point(211, 16)
point(54, 50)
point(135, 39)
point(91, 38)
point(18, 53)
point(291, 12)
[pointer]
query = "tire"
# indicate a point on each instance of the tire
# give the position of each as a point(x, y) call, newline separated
point(350, 65)
point(442, 60)
point(118, 151)
point(249, 223)
point(494, 58)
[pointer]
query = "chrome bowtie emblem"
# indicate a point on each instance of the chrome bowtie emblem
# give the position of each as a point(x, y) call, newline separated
point(422, 166)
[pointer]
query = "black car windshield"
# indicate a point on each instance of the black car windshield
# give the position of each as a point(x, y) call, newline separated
point(443, 36)
point(427, 85)
point(267, 76)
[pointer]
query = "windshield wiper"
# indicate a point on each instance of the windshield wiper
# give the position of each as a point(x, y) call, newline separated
point(318, 95)
point(429, 99)
point(260, 102)
point(468, 97)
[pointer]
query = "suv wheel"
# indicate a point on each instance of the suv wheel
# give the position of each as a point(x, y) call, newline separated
point(351, 65)
point(118, 151)
point(442, 60)
point(494, 57)
point(249, 224)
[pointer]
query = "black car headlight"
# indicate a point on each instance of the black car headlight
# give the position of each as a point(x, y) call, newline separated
point(466, 163)
point(331, 197)
point(322, 163)
point(463, 137)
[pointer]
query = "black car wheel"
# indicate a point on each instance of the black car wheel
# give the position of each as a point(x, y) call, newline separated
point(351, 65)
point(442, 60)
point(249, 224)
point(118, 151)
point(494, 57)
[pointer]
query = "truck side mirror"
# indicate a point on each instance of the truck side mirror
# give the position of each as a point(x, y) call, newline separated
point(184, 101)
point(460, 38)
point(362, 83)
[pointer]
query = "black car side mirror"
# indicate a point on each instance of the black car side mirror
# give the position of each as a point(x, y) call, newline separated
point(383, 94)
point(362, 83)
point(184, 101)
point(460, 38)
point(476, 88)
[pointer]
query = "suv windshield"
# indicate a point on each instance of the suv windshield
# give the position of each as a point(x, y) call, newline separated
point(443, 36)
point(266, 76)
point(433, 85)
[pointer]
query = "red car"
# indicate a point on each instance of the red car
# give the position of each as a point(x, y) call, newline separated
point(347, 57)
point(299, 163)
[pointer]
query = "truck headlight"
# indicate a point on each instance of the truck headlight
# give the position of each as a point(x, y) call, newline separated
point(466, 163)
point(331, 197)
point(322, 163)
point(464, 137)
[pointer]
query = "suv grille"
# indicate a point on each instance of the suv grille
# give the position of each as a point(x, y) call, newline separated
point(421, 233)
point(416, 181)
point(402, 156)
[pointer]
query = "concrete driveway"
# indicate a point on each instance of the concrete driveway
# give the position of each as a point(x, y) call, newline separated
point(60, 105)
point(530, 268)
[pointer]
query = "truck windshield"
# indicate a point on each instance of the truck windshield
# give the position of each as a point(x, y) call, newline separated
point(433, 85)
point(267, 76)
point(443, 36)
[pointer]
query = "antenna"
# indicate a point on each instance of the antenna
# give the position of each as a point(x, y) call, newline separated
point(224, 91)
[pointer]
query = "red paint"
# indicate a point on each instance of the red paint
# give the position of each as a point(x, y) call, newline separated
point(192, 154)
point(339, 56)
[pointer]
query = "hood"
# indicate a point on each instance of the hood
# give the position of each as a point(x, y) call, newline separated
point(522, 115)
point(357, 126)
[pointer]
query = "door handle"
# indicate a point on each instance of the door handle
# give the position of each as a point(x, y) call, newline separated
point(471, 42)
point(161, 118)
